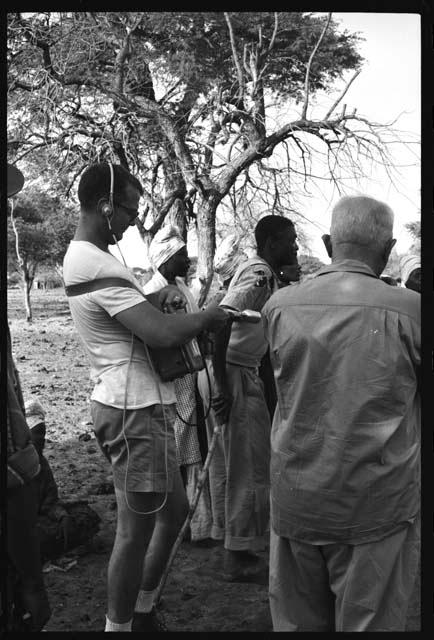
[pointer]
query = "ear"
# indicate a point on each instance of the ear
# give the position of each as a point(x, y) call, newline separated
point(104, 208)
point(328, 244)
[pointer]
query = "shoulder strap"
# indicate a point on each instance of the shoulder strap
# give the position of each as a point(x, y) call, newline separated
point(99, 283)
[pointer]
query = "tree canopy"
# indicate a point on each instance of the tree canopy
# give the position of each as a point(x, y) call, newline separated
point(196, 104)
point(40, 228)
point(44, 228)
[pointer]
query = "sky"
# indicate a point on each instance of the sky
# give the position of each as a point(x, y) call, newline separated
point(388, 86)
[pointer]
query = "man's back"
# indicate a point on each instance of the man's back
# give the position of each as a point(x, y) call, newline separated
point(345, 349)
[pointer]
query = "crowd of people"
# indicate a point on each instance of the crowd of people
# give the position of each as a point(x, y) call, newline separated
point(317, 406)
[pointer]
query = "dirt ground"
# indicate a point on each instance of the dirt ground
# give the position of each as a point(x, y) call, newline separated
point(53, 367)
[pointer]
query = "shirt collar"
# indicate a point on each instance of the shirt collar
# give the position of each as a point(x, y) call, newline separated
point(349, 266)
point(275, 276)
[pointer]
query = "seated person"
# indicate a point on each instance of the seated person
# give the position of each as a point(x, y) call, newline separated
point(62, 525)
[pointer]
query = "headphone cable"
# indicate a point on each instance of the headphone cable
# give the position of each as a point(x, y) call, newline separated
point(142, 513)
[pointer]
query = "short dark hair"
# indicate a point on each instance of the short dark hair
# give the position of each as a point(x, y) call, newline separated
point(95, 183)
point(270, 227)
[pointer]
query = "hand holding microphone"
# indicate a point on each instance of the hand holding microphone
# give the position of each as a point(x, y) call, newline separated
point(248, 315)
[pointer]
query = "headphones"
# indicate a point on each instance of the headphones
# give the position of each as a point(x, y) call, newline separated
point(107, 209)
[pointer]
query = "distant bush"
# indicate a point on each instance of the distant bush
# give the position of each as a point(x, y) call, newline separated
point(309, 265)
point(47, 280)
point(14, 279)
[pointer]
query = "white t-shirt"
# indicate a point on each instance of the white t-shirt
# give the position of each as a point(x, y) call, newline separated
point(106, 341)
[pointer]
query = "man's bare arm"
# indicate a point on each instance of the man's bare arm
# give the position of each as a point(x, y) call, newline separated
point(168, 298)
point(158, 329)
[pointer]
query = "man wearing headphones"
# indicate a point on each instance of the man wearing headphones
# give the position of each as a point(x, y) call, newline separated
point(133, 411)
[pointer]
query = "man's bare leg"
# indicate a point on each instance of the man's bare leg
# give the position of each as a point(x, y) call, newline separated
point(168, 524)
point(133, 533)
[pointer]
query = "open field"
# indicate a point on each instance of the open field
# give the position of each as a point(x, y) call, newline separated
point(53, 367)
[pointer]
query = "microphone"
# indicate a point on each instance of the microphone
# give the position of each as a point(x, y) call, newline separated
point(248, 315)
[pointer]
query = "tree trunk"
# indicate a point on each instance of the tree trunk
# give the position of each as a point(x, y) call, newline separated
point(174, 181)
point(27, 285)
point(178, 217)
point(58, 267)
point(206, 215)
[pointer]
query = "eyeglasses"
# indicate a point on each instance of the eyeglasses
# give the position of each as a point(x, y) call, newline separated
point(133, 213)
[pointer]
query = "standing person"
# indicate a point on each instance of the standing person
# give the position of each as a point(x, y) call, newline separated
point(133, 411)
point(238, 354)
point(169, 258)
point(287, 275)
point(345, 442)
point(410, 272)
point(227, 258)
point(26, 606)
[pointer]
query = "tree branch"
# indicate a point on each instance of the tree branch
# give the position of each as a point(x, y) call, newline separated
point(273, 37)
point(235, 57)
point(121, 58)
point(333, 107)
point(306, 82)
point(164, 210)
point(14, 227)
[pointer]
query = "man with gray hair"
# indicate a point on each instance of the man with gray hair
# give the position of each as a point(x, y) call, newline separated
point(345, 442)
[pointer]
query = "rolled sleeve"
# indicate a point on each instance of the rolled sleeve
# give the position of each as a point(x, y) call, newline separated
point(251, 289)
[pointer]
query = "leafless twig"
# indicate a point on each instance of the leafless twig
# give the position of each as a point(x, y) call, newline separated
point(306, 82)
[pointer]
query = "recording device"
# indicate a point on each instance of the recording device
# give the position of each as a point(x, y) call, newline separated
point(176, 362)
point(248, 315)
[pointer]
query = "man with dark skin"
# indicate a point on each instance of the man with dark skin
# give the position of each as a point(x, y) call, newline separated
point(169, 258)
point(246, 439)
point(287, 274)
point(414, 280)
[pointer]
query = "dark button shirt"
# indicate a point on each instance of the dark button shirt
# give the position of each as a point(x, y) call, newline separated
point(345, 350)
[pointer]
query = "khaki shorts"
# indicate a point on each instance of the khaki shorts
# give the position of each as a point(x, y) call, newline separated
point(142, 454)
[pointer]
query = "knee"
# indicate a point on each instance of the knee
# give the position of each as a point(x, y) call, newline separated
point(131, 538)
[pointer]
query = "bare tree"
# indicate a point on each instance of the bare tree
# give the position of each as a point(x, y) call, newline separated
point(189, 102)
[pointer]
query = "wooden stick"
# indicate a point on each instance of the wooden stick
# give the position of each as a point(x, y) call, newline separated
point(200, 483)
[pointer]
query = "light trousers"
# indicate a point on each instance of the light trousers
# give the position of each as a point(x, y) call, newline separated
point(342, 587)
point(246, 454)
point(217, 468)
